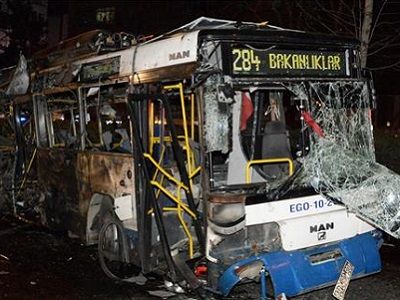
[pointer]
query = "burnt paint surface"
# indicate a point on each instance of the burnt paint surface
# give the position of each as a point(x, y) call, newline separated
point(69, 179)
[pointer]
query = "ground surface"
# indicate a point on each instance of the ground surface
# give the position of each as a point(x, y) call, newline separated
point(38, 264)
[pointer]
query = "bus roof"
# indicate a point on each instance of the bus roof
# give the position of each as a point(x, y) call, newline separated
point(263, 31)
point(177, 48)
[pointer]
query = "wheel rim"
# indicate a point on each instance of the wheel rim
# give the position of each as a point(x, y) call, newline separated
point(111, 250)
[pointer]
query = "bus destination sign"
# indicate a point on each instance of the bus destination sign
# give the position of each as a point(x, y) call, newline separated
point(100, 69)
point(305, 63)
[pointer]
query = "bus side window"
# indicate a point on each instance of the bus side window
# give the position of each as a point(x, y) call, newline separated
point(93, 140)
point(107, 125)
point(62, 122)
point(64, 128)
point(115, 128)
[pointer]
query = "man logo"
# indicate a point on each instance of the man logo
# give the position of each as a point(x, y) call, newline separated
point(321, 236)
point(179, 55)
point(322, 227)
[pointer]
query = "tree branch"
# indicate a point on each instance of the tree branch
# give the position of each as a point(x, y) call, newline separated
point(386, 67)
point(377, 19)
point(313, 17)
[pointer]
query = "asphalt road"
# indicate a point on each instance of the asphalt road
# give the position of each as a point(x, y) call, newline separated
point(38, 264)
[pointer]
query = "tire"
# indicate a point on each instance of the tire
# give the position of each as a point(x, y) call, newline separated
point(113, 249)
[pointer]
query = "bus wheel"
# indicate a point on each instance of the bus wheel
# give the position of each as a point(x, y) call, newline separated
point(113, 249)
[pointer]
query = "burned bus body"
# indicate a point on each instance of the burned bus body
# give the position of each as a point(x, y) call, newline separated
point(192, 154)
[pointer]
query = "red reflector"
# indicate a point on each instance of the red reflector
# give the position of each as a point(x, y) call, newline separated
point(200, 270)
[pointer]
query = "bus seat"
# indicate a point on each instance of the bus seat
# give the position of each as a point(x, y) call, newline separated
point(275, 144)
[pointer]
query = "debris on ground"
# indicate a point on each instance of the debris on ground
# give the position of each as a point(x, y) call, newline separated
point(140, 279)
point(162, 294)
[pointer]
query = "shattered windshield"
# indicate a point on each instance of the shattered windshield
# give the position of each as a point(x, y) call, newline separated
point(341, 163)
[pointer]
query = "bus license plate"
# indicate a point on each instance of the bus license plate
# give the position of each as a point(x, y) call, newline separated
point(343, 281)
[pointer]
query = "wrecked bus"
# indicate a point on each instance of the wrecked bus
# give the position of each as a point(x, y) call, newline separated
point(190, 153)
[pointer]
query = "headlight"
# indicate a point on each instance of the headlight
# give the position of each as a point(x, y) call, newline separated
point(250, 271)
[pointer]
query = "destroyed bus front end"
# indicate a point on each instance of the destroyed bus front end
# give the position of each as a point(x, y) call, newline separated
point(263, 119)
point(296, 245)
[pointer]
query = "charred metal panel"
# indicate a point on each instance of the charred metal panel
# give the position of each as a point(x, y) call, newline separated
point(58, 181)
point(107, 173)
point(103, 173)
point(229, 237)
point(70, 179)
point(100, 69)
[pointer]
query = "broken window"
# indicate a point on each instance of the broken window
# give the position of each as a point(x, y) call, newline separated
point(341, 163)
point(217, 114)
point(63, 121)
point(269, 129)
point(115, 127)
point(107, 121)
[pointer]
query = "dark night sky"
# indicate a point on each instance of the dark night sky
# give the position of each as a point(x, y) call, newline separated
point(151, 17)
point(155, 17)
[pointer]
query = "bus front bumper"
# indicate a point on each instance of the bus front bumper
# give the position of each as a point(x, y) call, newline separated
point(300, 271)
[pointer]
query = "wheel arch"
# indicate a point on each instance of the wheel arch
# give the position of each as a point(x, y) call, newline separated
point(99, 205)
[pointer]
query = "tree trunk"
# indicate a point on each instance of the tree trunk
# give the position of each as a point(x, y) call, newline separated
point(366, 30)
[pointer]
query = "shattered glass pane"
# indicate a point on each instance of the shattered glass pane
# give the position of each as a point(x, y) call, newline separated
point(217, 116)
point(341, 163)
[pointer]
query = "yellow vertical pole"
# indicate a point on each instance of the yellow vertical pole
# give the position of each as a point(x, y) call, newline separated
point(185, 129)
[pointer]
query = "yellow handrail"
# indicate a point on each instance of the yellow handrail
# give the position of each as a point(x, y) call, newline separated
point(185, 228)
point(157, 139)
point(179, 86)
point(180, 206)
point(268, 161)
point(176, 196)
point(173, 198)
point(195, 172)
point(157, 171)
point(163, 171)
point(167, 139)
